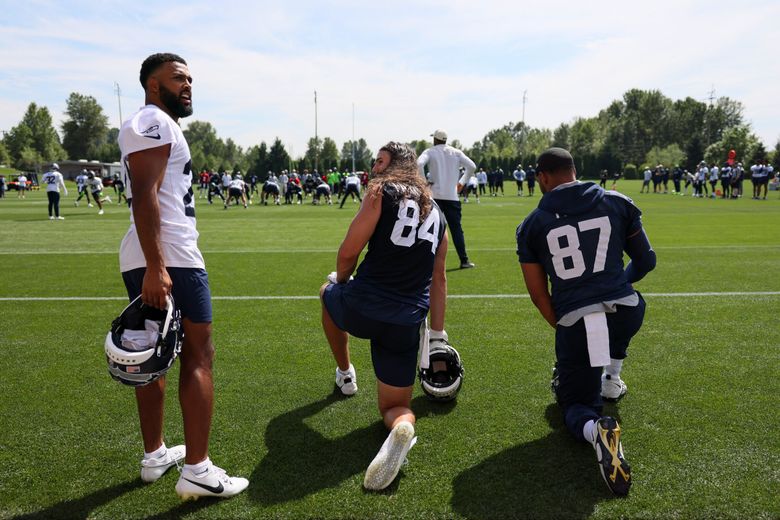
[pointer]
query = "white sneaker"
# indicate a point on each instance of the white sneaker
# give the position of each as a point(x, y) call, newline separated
point(51, 218)
point(100, 212)
point(89, 204)
point(76, 203)
point(213, 482)
point(347, 382)
point(385, 466)
point(107, 199)
point(60, 218)
point(612, 388)
point(153, 469)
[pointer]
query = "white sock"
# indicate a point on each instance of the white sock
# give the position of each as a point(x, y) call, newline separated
point(614, 367)
point(589, 431)
point(344, 372)
point(439, 334)
point(198, 468)
point(156, 454)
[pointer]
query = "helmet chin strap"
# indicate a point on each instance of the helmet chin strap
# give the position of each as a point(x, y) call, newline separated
point(168, 316)
point(425, 336)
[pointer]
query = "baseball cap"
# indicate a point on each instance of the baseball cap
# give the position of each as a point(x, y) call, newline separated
point(554, 159)
point(441, 135)
point(55, 166)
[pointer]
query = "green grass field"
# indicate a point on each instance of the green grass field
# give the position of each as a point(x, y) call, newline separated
point(700, 421)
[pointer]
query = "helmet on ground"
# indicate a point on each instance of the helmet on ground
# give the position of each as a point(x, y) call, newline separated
point(443, 378)
point(143, 343)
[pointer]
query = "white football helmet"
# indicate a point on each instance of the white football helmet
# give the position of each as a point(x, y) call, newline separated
point(143, 343)
point(442, 379)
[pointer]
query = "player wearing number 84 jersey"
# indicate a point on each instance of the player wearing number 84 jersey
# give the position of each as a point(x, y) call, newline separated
point(400, 278)
point(576, 238)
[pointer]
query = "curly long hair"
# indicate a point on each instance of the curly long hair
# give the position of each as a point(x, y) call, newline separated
point(403, 178)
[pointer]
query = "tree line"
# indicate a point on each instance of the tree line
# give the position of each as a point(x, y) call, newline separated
point(643, 128)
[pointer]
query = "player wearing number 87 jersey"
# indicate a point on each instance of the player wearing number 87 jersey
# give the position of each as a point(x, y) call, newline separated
point(400, 278)
point(576, 238)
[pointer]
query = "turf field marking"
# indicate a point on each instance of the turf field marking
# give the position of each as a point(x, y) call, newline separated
point(115, 252)
point(451, 296)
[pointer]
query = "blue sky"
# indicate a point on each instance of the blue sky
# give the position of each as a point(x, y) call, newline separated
point(408, 67)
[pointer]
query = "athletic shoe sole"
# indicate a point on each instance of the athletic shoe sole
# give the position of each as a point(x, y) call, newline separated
point(387, 463)
point(609, 452)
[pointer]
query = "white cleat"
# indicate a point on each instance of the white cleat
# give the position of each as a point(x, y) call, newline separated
point(100, 212)
point(385, 466)
point(347, 381)
point(213, 482)
point(51, 218)
point(153, 469)
point(60, 218)
point(612, 388)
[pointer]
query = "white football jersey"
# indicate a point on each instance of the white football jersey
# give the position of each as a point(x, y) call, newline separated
point(148, 128)
point(52, 180)
point(236, 184)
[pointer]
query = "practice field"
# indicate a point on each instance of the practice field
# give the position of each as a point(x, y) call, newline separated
point(700, 421)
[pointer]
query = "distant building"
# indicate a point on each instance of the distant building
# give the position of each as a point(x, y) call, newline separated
point(71, 169)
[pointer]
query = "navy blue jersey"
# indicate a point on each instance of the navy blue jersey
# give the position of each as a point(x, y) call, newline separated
point(398, 266)
point(578, 234)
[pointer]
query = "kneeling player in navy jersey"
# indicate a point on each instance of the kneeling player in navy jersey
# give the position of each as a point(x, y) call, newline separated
point(576, 238)
point(401, 276)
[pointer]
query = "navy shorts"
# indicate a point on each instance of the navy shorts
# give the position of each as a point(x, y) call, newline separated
point(393, 347)
point(191, 292)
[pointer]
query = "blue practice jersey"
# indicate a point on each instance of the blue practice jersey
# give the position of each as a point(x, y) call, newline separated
point(578, 234)
point(393, 282)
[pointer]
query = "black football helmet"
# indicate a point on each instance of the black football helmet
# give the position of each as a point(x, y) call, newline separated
point(443, 378)
point(143, 343)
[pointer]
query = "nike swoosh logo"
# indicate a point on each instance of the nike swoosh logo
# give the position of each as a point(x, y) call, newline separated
point(216, 490)
point(153, 136)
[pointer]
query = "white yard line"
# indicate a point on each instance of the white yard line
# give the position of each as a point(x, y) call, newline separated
point(451, 296)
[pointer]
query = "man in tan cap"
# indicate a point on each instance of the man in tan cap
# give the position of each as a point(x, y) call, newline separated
point(444, 163)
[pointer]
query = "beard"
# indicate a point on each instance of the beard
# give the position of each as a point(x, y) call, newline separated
point(173, 104)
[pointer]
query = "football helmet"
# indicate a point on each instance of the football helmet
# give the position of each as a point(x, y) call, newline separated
point(143, 343)
point(443, 378)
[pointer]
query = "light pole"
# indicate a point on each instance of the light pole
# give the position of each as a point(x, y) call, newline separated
point(118, 92)
point(353, 137)
point(316, 139)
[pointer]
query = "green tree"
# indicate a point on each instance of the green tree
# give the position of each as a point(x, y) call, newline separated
point(313, 153)
point(36, 132)
point(203, 135)
point(85, 129)
point(669, 156)
point(278, 158)
point(5, 156)
point(329, 155)
point(561, 136)
point(257, 159)
point(775, 160)
point(420, 146)
point(363, 155)
point(108, 150)
point(737, 138)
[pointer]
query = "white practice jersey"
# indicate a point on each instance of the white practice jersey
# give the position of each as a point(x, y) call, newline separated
point(148, 128)
point(237, 184)
point(96, 184)
point(353, 180)
point(444, 163)
point(53, 181)
point(81, 181)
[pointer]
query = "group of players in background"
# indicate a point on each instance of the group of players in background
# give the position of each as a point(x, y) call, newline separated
point(730, 177)
point(289, 186)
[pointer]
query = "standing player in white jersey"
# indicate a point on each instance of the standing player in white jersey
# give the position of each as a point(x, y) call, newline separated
point(53, 181)
point(81, 185)
point(444, 164)
point(159, 258)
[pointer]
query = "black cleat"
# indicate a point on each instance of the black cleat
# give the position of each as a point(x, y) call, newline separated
point(609, 453)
